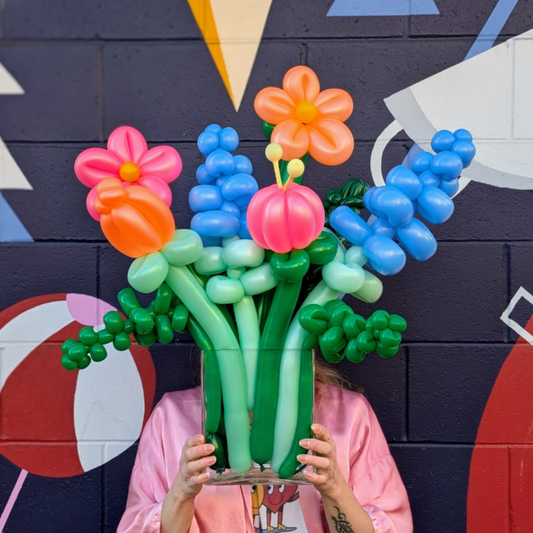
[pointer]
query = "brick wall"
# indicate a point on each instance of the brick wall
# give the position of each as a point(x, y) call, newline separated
point(88, 67)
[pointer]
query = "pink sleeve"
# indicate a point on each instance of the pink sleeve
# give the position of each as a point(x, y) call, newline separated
point(149, 482)
point(374, 477)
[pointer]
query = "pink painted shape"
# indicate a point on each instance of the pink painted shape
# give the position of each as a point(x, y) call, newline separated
point(87, 310)
point(12, 498)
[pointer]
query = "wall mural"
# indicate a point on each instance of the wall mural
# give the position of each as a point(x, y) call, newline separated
point(501, 459)
point(456, 97)
point(382, 8)
point(232, 32)
point(466, 91)
point(11, 177)
point(90, 417)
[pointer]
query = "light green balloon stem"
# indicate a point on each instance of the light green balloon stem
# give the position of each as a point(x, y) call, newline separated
point(232, 374)
point(249, 337)
point(287, 412)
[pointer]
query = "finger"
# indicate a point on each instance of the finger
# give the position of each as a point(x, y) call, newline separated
point(197, 452)
point(318, 446)
point(200, 479)
point(193, 441)
point(314, 478)
point(321, 432)
point(315, 460)
point(201, 464)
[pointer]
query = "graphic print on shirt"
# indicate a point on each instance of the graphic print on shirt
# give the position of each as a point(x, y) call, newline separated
point(269, 512)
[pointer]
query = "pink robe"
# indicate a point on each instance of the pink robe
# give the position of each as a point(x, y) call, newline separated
point(362, 454)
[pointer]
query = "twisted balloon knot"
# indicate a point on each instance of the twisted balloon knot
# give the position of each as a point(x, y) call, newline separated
point(111, 194)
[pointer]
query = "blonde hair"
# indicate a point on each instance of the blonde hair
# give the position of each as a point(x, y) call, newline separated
point(329, 375)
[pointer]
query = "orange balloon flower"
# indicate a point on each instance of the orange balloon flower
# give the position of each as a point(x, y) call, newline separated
point(306, 119)
point(135, 220)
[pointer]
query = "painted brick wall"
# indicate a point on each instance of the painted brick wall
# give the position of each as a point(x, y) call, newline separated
point(88, 67)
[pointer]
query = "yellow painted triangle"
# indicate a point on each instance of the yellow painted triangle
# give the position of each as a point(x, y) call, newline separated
point(232, 29)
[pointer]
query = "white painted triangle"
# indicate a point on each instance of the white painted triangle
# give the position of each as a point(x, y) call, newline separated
point(8, 84)
point(240, 25)
point(11, 177)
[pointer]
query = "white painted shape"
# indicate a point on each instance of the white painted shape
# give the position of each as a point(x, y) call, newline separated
point(240, 27)
point(11, 177)
point(376, 157)
point(114, 449)
point(506, 315)
point(522, 89)
point(25, 332)
point(8, 84)
point(91, 454)
point(108, 406)
point(498, 155)
point(477, 95)
point(473, 94)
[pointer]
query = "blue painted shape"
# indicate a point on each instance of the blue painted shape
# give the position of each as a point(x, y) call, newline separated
point(492, 28)
point(11, 228)
point(382, 8)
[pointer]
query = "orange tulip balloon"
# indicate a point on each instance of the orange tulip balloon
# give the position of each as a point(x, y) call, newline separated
point(135, 220)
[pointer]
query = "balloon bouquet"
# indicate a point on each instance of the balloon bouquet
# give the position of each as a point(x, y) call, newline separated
point(259, 278)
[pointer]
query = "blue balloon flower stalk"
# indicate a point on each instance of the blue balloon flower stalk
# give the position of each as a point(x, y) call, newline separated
point(226, 187)
point(425, 189)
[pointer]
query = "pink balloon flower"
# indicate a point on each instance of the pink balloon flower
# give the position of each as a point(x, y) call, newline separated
point(127, 158)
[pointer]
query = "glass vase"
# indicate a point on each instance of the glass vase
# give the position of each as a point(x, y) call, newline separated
point(295, 371)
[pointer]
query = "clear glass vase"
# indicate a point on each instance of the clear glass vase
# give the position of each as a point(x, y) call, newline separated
point(295, 395)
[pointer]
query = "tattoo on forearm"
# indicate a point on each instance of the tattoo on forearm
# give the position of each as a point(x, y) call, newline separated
point(341, 524)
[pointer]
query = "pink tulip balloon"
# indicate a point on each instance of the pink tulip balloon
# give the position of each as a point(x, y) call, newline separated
point(281, 220)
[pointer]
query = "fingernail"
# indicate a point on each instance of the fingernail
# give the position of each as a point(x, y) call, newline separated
point(315, 427)
point(211, 460)
point(199, 439)
point(304, 442)
point(302, 458)
point(209, 448)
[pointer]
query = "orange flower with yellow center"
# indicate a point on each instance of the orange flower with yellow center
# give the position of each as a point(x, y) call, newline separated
point(307, 119)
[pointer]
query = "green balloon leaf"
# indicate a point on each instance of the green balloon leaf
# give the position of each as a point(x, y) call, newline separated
point(323, 249)
point(333, 340)
point(87, 336)
point(68, 364)
point(397, 323)
point(314, 319)
point(184, 248)
point(353, 325)
point(146, 273)
point(365, 342)
point(113, 322)
point(353, 354)
point(290, 267)
point(98, 352)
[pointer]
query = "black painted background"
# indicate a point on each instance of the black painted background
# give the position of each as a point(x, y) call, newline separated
point(89, 66)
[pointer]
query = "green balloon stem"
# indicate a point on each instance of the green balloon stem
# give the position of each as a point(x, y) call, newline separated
point(231, 366)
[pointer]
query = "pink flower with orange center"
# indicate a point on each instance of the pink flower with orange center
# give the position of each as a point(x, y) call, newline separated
point(127, 158)
point(307, 119)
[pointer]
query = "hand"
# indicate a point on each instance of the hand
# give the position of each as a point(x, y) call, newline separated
point(193, 462)
point(327, 478)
